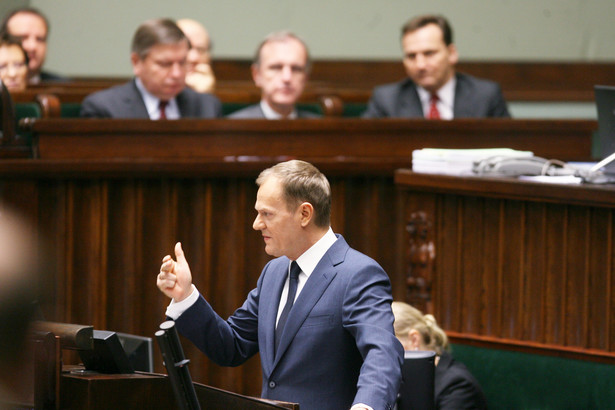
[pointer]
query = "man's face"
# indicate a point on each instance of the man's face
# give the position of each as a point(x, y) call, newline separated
point(280, 227)
point(163, 69)
point(13, 69)
point(199, 53)
point(281, 74)
point(32, 31)
point(428, 61)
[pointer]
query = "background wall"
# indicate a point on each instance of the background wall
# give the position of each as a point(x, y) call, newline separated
point(93, 37)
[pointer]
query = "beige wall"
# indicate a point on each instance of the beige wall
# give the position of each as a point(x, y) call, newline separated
point(92, 37)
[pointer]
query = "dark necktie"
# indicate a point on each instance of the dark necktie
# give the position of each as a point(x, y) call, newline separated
point(163, 112)
point(292, 291)
point(434, 114)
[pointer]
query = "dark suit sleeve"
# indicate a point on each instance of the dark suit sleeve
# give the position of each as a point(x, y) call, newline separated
point(458, 389)
point(375, 107)
point(217, 107)
point(498, 107)
point(93, 106)
point(227, 342)
point(460, 394)
point(368, 317)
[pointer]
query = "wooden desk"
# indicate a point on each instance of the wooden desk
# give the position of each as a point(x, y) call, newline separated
point(517, 260)
point(386, 140)
point(147, 391)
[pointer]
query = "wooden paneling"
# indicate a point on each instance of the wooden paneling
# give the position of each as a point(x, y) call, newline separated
point(519, 260)
point(387, 141)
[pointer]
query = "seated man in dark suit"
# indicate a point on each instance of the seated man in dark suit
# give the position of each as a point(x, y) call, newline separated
point(32, 28)
point(434, 90)
point(280, 70)
point(159, 53)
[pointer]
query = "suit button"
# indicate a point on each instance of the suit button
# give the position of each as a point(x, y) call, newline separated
point(272, 384)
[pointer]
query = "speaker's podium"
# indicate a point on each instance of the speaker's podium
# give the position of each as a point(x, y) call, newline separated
point(116, 385)
point(147, 391)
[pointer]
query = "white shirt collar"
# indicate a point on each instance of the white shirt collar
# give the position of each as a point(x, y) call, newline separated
point(310, 258)
point(271, 114)
point(446, 98)
point(152, 104)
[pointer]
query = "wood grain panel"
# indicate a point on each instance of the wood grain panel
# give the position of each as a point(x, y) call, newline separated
point(471, 261)
point(556, 275)
point(534, 271)
point(490, 260)
point(546, 265)
point(599, 257)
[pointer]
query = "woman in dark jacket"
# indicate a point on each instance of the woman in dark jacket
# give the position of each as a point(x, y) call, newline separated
point(455, 387)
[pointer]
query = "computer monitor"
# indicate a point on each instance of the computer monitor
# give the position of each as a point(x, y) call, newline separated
point(417, 386)
point(605, 107)
point(107, 356)
point(139, 350)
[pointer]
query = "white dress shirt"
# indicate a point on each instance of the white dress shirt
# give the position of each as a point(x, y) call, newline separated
point(152, 104)
point(446, 99)
point(271, 114)
point(307, 262)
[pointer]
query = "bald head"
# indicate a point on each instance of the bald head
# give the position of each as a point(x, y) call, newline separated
point(199, 39)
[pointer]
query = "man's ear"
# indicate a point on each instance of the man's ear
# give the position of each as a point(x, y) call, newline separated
point(306, 213)
point(136, 64)
point(255, 75)
point(453, 55)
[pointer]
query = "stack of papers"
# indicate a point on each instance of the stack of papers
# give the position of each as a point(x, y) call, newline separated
point(457, 161)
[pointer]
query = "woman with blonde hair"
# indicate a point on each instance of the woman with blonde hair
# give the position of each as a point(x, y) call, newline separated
point(454, 385)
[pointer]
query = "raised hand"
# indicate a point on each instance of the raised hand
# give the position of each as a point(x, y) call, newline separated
point(175, 279)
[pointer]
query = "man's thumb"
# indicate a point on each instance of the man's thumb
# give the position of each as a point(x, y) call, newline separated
point(179, 253)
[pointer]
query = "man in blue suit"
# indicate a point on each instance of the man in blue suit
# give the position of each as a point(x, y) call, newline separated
point(325, 337)
point(433, 89)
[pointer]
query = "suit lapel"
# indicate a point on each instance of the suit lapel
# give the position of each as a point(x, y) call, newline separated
point(463, 105)
point(134, 102)
point(269, 316)
point(313, 290)
point(185, 108)
point(409, 102)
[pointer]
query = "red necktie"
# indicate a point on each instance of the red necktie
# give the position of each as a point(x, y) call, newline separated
point(434, 114)
point(162, 106)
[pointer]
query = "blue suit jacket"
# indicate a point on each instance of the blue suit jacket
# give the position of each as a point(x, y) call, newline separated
point(125, 101)
point(474, 98)
point(338, 347)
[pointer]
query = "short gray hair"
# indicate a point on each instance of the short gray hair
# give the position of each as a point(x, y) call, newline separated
point(154, 32)
point(302, 182)
point(282, 36)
